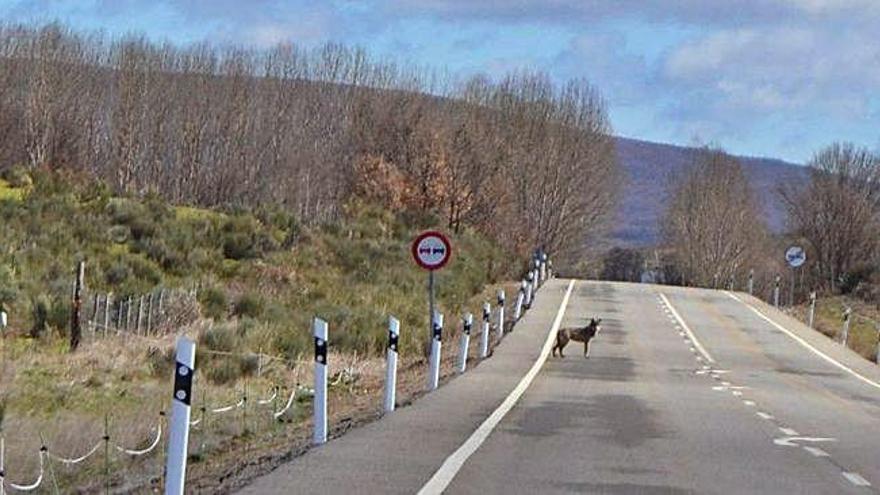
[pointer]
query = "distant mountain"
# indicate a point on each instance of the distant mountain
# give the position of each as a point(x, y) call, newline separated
point(648, 167)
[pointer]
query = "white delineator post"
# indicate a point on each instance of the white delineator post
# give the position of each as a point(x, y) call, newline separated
point(529, 291)
point(520, 299)
point(178, 432)
point(391, 364)
point(844, 336)
point(484, 339)
point(501, 298)
point(812, 307)
point(776, 293)
point(465, 342)
point(436, 344)
point(319, 328)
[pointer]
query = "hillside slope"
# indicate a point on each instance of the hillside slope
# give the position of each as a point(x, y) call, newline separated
point(648, 167)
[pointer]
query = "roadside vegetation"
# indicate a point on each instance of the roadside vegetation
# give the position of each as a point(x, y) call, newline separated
point(258, 277)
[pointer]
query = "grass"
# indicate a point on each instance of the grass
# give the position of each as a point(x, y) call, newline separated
point(863, 333)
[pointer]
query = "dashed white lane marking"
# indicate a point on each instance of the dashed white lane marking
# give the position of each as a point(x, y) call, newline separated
point(856, 479)
point(790, 441)
point(764, 415)
point(441, 479)
point(816, 451)
point(736, 393)
point(805, 343)
point(687, 329)
point(726, 384)
point(749, 403)
point(789, 432)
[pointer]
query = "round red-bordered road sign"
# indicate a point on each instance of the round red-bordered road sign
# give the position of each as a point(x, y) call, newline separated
point(431, 250)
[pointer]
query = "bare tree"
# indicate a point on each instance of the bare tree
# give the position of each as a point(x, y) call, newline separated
point(838, 211)
point(713, 222)
point(523, 160)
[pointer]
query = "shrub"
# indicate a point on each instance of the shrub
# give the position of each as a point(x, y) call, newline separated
point(161, 362)
point(117, 273)
point(40, 307)
point(60, 313)
point(8, 287)
point(221, 338)
point(243, 237)
point(214, 303)
point(249, 305)
point(238, 246)
point(17, 176)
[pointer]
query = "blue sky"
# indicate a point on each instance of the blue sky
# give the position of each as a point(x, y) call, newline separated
point(778, 78)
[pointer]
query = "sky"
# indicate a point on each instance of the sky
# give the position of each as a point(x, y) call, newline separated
point(775, 78)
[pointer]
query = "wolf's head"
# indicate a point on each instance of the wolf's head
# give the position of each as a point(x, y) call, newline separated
point(595, 323)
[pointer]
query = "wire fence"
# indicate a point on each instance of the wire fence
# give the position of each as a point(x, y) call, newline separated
point(158, 312)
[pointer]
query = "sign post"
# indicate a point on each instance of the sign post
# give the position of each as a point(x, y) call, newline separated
point(795, 256)
point(431, 250)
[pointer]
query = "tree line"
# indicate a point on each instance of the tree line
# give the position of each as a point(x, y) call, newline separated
point(715, 233)
point(521, 159)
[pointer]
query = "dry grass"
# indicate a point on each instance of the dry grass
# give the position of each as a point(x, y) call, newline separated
point(63, 399)
point(864, 327)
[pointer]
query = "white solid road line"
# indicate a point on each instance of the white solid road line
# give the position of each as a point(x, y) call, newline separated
point(856, 479)
point(805, 343)
point(443, 477)
point(687, 329)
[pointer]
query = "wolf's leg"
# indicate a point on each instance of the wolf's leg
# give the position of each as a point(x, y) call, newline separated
point(587, 348)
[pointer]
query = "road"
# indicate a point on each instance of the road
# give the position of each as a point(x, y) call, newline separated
point(686, 391)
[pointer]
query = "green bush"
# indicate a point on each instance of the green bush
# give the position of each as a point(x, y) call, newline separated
point(17, 176)
point(117, 274)
point(249, 305)
point(214, 303)
point(243, 237)
point(222, 338)
point(40, 307)
point(8, 287)
point(60, 314)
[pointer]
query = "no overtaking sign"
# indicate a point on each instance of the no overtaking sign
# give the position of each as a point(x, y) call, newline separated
point(431, 250)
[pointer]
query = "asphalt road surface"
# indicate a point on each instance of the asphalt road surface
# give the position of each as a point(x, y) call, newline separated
point(686, 391)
